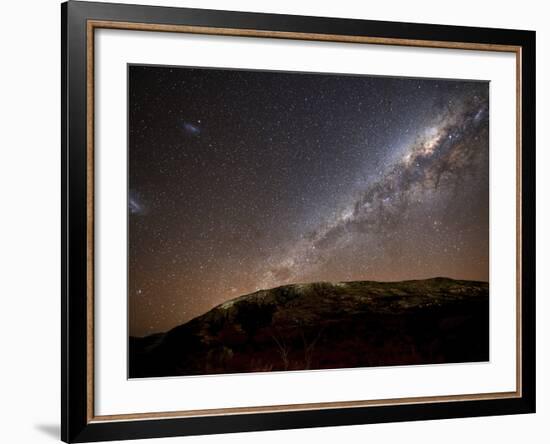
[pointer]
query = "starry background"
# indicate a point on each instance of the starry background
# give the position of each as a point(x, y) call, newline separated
point(244, 180)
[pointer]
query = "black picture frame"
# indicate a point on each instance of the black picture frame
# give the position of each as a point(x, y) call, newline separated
point(77, 425)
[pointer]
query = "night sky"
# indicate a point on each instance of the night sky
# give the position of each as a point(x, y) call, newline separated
point(247, 180)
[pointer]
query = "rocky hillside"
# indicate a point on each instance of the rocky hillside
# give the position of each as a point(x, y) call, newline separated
point(326, 325)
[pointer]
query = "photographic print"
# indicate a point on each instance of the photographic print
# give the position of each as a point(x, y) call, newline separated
point(286, 221)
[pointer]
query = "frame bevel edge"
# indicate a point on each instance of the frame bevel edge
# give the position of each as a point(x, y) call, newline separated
point(73, 244)
point(64, 359)
point(528, 220)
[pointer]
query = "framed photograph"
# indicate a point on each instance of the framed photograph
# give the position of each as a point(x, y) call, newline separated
point(277, 221)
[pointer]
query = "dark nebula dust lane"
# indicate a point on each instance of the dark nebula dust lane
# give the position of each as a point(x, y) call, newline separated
point(246, 180)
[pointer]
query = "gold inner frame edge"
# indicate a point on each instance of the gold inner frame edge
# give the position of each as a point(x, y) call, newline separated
point(90, 33)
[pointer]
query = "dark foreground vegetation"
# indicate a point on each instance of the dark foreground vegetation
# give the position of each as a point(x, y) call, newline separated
point(325, 326)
